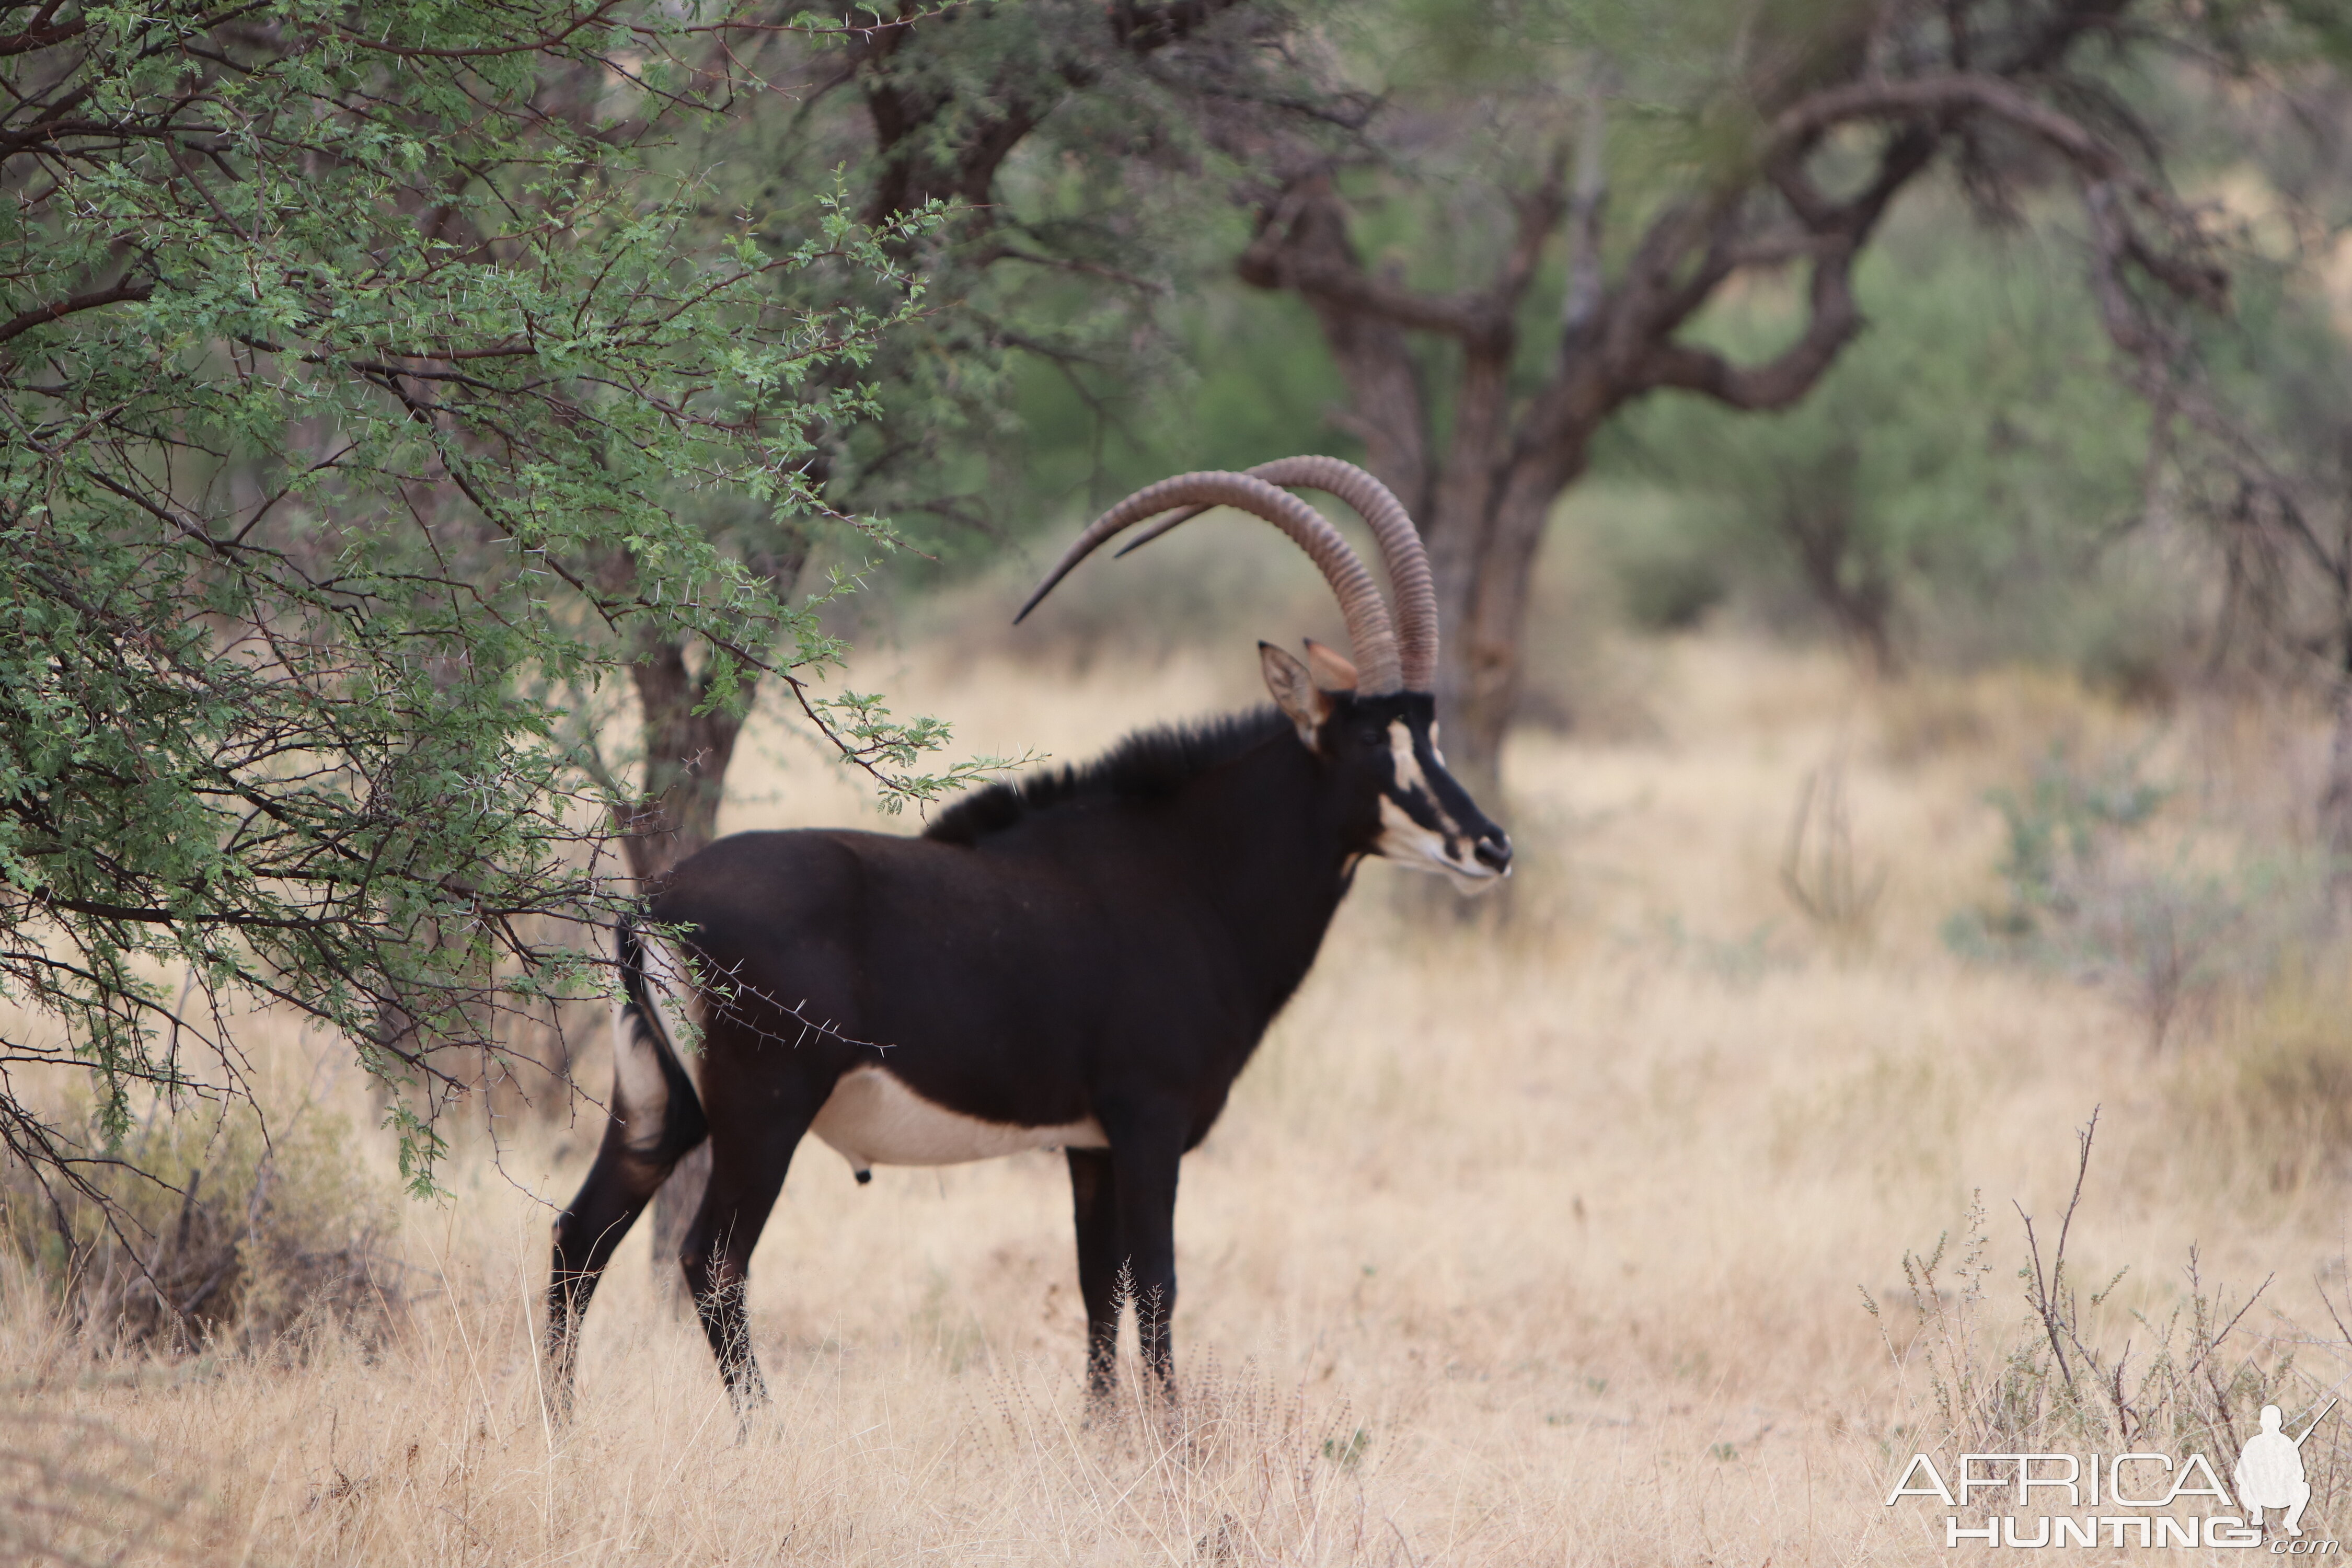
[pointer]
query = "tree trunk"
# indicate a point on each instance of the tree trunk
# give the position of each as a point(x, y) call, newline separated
point(1487, 588)
point(687, 755)
point(2335, 798)
point(675, 813)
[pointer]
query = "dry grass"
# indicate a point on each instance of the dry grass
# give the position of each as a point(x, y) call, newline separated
point(1532, 1238)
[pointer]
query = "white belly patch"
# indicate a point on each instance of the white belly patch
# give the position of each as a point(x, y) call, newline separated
point(873, 1119)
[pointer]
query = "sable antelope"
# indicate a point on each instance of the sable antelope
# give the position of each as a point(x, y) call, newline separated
point(1082, 960)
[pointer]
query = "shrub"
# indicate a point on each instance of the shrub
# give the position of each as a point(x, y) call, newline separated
point(2088, 893)
point(236, 1236)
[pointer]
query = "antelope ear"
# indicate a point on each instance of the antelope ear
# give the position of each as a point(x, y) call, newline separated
point(1294, 693)
point(1332, 671)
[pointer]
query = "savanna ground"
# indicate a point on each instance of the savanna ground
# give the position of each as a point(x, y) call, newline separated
point(1541, 1237)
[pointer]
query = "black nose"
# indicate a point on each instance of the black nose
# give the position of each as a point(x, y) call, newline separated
point(1494, 852)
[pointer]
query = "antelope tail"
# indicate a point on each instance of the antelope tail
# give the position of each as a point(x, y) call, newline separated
point(656, 1111)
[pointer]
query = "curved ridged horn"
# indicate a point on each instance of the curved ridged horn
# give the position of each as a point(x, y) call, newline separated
point(1408, 566)
point(1370, 633)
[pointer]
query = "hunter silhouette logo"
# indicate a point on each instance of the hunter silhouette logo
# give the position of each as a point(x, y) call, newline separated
point(2127, 1500)
point(2270, 1471)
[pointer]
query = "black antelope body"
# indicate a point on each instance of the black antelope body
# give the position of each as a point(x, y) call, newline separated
point(1082, 961)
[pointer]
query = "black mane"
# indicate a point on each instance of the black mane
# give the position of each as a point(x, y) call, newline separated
point(1146, 764)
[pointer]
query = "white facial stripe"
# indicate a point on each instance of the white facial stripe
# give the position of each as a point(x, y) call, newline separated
point(1409, 777)
point(872, 1118)
point(1418, 848)
point(1406, 841)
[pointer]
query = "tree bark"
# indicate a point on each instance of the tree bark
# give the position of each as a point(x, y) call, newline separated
point(687, 753)
point(2335, 798)
point(1487, 672)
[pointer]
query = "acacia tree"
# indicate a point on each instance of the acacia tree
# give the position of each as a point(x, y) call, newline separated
point(1581, 180)
point(339, 370)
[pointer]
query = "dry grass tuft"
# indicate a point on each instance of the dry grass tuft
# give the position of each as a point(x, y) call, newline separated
point(1832, 884)
point(2275, 1105)
point(1240, 1470)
